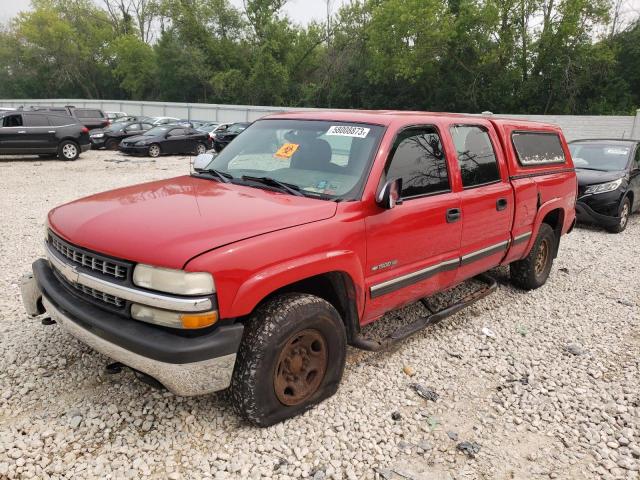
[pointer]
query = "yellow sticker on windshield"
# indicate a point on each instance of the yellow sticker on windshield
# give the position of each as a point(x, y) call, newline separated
point(287, 150)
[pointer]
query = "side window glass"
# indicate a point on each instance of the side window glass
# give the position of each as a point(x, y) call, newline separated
point(35, 120)
point(538, 148)
point(133, 128)
point(418, 158)
point(176, 132)
point(146, 126)
point(12, 121)
point(637, 165)
point(477, 159)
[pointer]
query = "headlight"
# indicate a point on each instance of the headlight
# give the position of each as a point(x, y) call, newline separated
point(173, 281)
point(173, 319)
point(604, 187)
point(97, 135)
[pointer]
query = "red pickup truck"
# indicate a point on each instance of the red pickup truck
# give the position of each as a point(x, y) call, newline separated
point(258, 269)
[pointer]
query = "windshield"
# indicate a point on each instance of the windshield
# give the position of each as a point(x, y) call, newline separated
point(115, 127)
point(237, 127)
point(600, 156)
point(157, 131)
point(321, 158)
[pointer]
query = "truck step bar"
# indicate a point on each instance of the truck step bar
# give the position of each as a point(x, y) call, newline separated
point(364, 343)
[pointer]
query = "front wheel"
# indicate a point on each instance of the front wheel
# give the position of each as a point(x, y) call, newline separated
point(112, 144)
point(625, 211)
point(68, 151)
point(154, 151)
point(292, 357)
point(532, 271)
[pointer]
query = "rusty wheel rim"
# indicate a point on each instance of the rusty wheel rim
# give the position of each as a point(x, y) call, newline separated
point(301, 366)
point(542, 257)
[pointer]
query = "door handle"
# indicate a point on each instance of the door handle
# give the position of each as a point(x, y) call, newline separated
point(501, 204)
point(51, 131)
point(453, 215)
point(22, 131)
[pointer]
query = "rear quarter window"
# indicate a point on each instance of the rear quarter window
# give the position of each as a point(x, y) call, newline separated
point(538, 148)
point(85, 113)
point(60, 120)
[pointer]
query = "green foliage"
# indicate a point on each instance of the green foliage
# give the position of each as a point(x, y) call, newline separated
point(511, 56)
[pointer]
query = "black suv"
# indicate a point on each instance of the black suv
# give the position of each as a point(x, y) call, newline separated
point(608, 181)
point(89, 117)
point(42, 133)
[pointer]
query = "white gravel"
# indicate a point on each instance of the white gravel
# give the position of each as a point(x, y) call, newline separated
point(555, 393)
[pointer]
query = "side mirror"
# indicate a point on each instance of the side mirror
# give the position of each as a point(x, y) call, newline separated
point(202, 160)
point(390, 194)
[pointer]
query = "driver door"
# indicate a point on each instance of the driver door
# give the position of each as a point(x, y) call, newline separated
point(413, 248)
point(175, 141)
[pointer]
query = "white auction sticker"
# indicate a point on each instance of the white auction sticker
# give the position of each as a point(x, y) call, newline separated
point(348, 131)
point(618, 151)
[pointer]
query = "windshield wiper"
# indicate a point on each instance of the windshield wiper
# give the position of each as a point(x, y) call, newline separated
point(220, 175)
point(272, 182)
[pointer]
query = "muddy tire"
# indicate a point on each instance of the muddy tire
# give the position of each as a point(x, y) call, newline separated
point(291, 357)
point(623, 213)
point(68, 151)
point(154, 150)
point(532, 272)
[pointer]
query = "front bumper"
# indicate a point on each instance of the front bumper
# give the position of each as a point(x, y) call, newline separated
point(584, 213)
point(97, 142)
point(186, 365)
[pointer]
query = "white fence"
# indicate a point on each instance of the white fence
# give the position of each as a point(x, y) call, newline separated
point(574, 126)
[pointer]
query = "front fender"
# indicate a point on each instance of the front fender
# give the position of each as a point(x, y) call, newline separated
point(266, 281)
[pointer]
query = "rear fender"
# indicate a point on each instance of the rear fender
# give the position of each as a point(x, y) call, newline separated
point(543, 211)
point(263, 283)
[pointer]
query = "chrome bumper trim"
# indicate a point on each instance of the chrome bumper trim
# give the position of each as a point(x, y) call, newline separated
point(186, 379)
point(152, 299)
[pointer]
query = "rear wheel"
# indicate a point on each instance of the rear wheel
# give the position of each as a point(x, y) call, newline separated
point(532, 272)
point(154, 150)
point(201, 148)
point(291, 357)
point(68, 150)
point(625, 211)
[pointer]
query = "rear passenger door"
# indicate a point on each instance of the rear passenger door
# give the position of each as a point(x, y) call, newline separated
point(487, 199)
point(40, 135)
point(412, 249)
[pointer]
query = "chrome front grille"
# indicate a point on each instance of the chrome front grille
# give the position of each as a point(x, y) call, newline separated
point(98, 295)
point(85, 291)
point(89, 260)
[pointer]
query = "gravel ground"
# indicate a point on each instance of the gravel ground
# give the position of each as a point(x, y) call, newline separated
point(542, 384)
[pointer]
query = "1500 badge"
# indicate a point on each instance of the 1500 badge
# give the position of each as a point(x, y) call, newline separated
point(388, 264)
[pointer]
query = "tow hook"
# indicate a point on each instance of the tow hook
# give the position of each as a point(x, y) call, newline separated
point(48, 321)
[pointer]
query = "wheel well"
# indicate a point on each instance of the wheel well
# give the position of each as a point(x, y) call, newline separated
point(630, 197)
point(337, 288)
point(555, 219)
point(68, 139)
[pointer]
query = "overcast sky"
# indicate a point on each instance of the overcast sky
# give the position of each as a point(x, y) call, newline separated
point(301, 11)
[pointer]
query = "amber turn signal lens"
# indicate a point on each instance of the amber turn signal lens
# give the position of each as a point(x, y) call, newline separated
point(199, 321)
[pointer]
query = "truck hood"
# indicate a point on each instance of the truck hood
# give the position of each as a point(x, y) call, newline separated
point(166, 223)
